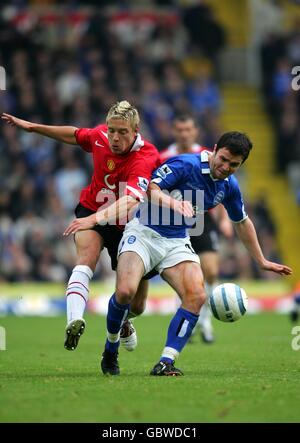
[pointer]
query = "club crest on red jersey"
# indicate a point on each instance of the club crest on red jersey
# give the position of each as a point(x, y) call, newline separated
point(111, 164)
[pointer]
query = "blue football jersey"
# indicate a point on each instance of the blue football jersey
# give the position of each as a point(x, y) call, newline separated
point(183, 177)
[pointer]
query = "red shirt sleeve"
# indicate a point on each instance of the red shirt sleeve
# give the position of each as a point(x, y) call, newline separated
point(140, 173)
point(82, 136)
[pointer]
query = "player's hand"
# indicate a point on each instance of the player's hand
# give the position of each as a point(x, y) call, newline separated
point(81, 224)
point(14, 121)
point(276, 267)
point(226, 228)
point(184, 207)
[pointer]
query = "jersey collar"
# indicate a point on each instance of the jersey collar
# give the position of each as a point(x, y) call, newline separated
point(138, 144)
point(205, 169)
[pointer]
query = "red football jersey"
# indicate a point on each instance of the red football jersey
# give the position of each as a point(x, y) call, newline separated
point(132, 170)
point(172, 151)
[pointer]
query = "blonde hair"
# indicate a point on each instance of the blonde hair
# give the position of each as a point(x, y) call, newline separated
point(125, 111)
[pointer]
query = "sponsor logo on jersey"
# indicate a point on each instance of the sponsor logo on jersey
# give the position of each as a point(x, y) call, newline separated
point(111, 164)
point(108, 184)
point(106, 191)
point(163, 171)
point(143, 183)
point(218, 198)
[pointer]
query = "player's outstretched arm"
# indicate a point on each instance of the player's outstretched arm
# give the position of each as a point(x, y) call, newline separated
point(220, 215)
point(113, 213)
point(158, 197)
point(64, 134)
point(247, 234)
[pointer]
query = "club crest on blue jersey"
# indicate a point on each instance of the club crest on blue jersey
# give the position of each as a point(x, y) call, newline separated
point(131, 239)
point(218, 198)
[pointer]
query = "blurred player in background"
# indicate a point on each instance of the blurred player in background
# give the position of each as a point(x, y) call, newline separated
point(167, 249)
point(206, 245)
point(294, 314)
point(120, 155)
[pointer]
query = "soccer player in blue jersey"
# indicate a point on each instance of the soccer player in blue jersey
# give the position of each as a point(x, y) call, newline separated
point(216, 221)
point(165, 247)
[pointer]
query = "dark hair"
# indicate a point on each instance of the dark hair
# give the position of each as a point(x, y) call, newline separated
point(236, 142)
point(182, 118)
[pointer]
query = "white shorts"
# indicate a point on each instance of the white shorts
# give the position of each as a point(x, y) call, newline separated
point(156, 252)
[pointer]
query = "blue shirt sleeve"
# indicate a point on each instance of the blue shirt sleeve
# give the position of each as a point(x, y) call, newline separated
point(171, 173)
point(233, 202)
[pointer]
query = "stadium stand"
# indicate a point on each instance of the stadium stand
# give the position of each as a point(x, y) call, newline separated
point(66, 65)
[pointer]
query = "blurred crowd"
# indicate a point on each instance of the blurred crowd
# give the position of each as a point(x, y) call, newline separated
point(68, 68)
point(280, 54)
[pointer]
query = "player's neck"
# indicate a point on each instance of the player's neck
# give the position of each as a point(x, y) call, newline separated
point(184, 149)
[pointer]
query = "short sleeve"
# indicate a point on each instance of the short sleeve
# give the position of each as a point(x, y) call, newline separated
point(171, 173)
point(140, 174)
point(234, 202)
point(82, 136)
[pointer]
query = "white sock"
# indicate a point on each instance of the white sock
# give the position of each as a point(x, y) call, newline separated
point(205, 313)
point(77, 292)
point(169, 353)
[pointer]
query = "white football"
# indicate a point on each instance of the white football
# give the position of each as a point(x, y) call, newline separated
point(228, 302)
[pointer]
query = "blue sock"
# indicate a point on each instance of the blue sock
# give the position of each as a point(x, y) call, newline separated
point(115, 316)
point(180, 330)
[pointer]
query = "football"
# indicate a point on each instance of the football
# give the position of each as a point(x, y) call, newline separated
point(228, 302)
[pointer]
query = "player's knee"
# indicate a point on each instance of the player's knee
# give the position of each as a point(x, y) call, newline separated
point(125, 293)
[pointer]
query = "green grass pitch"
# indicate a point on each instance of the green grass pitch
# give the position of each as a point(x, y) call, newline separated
point(251, 374)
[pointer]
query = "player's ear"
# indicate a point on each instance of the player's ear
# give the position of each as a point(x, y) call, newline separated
point(215, 148)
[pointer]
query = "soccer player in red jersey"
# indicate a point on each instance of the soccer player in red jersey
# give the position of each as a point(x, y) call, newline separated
point(123, 162)
point(206, 245)
point(186, 132)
